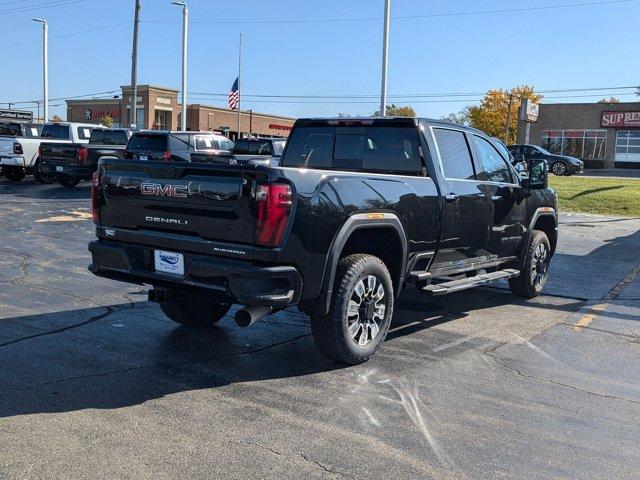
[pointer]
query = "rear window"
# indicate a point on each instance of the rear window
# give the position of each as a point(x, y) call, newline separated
point(373, 148)
point(241, 147)
point(108, 137)
point(148, 143)
point(55, 131)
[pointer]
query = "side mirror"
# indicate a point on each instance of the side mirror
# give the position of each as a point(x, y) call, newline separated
point(538, 174)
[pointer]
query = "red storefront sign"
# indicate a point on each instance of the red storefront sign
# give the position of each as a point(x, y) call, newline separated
point(620, 119)
point(276, 126)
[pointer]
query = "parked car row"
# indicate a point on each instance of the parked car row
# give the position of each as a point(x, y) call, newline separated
point(68, 153)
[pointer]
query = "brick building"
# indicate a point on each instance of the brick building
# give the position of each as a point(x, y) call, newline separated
point(603, 135)
point(158, 108)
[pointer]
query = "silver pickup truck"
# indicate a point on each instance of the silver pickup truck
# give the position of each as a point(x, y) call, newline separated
point(20, 156)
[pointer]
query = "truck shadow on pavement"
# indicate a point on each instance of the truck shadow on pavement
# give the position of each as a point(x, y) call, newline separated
point(31, 190)
point(124, 355)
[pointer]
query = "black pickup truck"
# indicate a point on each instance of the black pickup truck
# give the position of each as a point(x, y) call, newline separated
point(357, 210)
point(69, 163)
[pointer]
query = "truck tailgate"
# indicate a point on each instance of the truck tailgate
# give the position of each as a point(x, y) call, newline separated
point(60, 152)
point(201, 201)
point(6, 146)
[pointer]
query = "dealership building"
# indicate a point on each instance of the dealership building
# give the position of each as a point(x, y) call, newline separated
point(603, 135)
point(158, 108)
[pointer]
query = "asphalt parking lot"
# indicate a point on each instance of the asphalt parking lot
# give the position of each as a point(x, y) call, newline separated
point(97, 383)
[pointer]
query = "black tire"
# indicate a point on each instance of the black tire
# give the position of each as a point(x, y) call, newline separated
point(334, 333)
point(39, 176)
point(14, 174)
point(559, 169)
point(68, 181)
point(194, 314)
point(533, 277)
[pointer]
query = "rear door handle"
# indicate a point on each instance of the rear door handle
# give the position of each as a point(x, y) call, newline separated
point(452, 197)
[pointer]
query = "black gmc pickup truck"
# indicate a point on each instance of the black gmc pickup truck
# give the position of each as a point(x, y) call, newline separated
point(357, 210)
point(69, 163)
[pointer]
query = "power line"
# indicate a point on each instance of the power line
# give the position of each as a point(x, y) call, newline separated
point(59, 3)
point(419, 95)
point(71, 34)
point(70, 97)
point(404, 17)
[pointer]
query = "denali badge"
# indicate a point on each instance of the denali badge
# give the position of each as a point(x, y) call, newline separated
point(163, 190)
point(175, 221)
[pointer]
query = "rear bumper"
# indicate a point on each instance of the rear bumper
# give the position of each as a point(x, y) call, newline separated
point(12, 161)
point(50, 166)
point(243, 282)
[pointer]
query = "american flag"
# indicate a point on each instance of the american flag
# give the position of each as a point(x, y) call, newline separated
point(234, 96)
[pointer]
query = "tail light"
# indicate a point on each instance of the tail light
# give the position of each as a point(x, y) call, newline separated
point(166, 156)
point(273, 210)
point(17, 148)
point(81, 154)
point(95, 187)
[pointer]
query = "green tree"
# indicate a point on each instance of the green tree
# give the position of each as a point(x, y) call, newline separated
point(491, 115)
point(106, 121)
point(394, 110)
point(609, 100)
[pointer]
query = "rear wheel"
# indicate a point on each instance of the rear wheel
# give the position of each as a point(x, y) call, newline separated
point(533, 277)
point(14, 174)
point(68, 181)
point(559, 169)
point(360, 312)
point(194, 313)
point(40, 176)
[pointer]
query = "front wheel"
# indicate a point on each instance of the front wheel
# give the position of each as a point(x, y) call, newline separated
point(559, 169)
point(534, 276)
point(194, 313)
point(360, 312)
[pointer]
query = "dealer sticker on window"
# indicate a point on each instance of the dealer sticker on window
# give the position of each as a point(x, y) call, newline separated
point(169, 262)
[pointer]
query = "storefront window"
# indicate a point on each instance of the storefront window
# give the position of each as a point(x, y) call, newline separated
point(588, 144)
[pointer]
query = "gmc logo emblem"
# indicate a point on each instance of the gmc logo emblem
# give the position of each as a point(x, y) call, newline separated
point(160, 190)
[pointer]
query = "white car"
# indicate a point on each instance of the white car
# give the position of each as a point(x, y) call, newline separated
point(19, 155)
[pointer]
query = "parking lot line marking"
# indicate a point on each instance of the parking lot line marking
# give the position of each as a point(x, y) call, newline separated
point(598, 308)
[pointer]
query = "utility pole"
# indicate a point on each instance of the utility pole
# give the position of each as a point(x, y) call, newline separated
point(239, 83)
point(185, 33)
point(385, 58)
point(45, 64)
point(134, 66)
point(508, 123)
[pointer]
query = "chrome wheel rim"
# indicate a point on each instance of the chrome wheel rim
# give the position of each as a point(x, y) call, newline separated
point(539, 264)
point(558, 169)
point(366, 310)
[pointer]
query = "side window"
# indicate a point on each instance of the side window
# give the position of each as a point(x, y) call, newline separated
point(84, 133)
point(454, 153)
point(529, 151)
point(494, 167)
point(179, 143)
point(241, 147)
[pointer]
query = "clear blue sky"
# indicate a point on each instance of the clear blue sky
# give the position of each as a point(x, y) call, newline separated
point(577, 47)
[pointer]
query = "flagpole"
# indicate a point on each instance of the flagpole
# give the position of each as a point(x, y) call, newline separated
point(239, 92)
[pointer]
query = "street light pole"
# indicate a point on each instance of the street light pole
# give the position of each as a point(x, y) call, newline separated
point(45, 64)
point(185, 33)
point(385, 58)
point(133, 117)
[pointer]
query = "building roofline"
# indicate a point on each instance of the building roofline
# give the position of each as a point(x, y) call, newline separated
point(155, 87)
point(255, 114)
point(634, 104)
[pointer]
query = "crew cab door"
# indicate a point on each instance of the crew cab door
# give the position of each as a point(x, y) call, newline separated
point(466, 209)
point(500, 184)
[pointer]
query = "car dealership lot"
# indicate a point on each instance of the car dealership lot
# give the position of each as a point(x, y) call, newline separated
point(96, 382)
